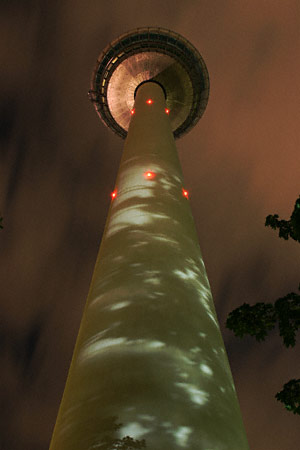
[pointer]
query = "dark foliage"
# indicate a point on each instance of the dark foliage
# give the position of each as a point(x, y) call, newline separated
point(127, 443)
point(288, 315)
point(110, 442)
point(287, 228)
point(290, 396)
point(259, 319)
point(256, 320)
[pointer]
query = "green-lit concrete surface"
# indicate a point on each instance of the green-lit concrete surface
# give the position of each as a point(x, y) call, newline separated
point(149, 350)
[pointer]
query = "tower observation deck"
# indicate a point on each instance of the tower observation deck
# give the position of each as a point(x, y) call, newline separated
point(149, 362)
point(148, 54)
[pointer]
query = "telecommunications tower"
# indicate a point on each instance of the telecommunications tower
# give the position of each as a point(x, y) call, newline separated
point(149, 361)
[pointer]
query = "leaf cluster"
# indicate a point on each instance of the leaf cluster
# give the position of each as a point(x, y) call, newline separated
point(290, 396)
point(288, 315)
point(110, 442)
point(126, 443)
point(258, 320)
point(287, 228)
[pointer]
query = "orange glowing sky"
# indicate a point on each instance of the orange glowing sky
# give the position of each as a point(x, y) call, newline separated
point(58, 167)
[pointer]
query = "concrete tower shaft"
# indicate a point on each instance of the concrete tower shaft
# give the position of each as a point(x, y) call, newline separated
point(149, 351)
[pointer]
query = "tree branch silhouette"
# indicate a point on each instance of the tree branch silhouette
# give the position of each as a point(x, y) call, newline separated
point(259, 319)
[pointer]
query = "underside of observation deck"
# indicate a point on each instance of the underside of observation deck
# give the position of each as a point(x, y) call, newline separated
point(150, 54)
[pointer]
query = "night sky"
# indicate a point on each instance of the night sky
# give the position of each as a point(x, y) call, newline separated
point(58, 167)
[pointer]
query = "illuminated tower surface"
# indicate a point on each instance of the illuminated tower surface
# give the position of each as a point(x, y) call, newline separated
point(149, 351)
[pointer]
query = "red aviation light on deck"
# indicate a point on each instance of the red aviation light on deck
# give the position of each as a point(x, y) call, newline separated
point(149, 101)
point(132, 111)
point(185, 193)
point(113, 194)
point(149, 175)
point(167, 111)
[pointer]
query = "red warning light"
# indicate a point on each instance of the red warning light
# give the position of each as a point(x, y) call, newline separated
point(185, 193)
point(149, 101)
point(149, 175)
point(113, 194)
point(167, 110)
point(132, 111)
